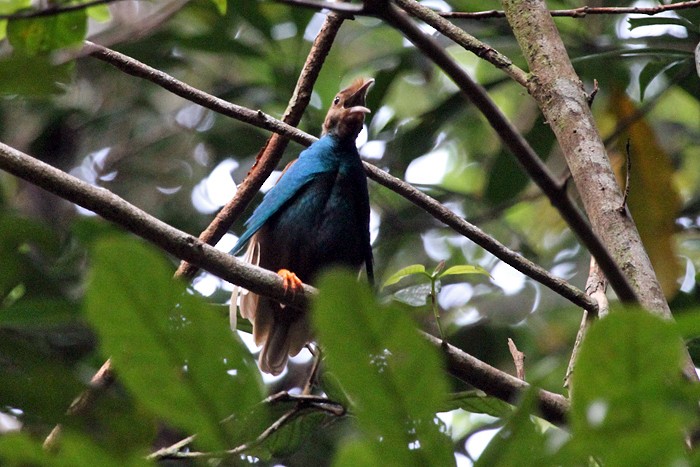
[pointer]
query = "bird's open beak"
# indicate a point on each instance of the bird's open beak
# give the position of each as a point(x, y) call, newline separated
point(356, 102)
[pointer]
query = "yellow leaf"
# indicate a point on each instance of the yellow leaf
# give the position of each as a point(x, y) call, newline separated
point(653, 199)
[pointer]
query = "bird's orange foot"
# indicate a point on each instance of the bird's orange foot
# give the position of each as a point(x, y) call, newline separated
point(290, 280)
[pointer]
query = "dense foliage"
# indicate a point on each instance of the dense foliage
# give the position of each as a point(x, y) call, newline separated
point(76, 290)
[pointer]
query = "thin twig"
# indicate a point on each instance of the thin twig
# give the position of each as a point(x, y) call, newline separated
point(315, 367)
point(304, 403)
point(467, 41)
point(582, 12)
point(590, 97)
point(420, 199)
point(100, 381)
point(596, 285)
point(518, 359)
point(271, 153)
point(173, 449)
point(553, 407)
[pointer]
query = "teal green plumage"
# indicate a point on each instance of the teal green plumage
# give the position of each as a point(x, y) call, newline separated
point(316, 216)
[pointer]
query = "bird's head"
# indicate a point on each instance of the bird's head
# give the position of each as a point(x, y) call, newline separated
point(347, 112)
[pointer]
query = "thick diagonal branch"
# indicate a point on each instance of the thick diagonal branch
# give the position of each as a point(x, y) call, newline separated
point(430, 205)
point(560, 95)
point(271, 153)
point(184, 246)
point(512, 139)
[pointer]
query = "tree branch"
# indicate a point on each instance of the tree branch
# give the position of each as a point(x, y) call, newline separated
point(475, 234)
point(512, 139)
point(582, 12)
point(467, 41)
point(140, 70)
point(270, 155)
point(420, 199)
point(562, 99)
point(170, 239)
point(497, 383)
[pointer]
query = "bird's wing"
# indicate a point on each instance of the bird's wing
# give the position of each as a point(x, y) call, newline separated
point(295, 177)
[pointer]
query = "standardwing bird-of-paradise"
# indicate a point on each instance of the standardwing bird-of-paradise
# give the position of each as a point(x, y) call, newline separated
point(317, 215)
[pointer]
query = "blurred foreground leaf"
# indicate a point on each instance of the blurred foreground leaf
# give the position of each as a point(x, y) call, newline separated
point(172, 352)
point(630, 404)
point(392, 376)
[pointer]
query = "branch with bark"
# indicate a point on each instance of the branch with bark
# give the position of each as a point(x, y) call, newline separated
point(430, 205)
point(563, 101)
point(261, 281)
point(270, 154)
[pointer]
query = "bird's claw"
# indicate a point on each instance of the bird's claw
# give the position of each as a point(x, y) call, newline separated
point(290, 281)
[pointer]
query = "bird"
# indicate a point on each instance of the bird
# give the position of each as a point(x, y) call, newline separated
point(315, 216)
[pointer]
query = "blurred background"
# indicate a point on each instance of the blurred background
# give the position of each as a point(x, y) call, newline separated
point(181, 163)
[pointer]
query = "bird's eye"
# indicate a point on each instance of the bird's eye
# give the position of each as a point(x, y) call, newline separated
point(336, 101)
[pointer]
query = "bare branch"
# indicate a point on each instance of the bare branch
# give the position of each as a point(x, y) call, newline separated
point(467, 41)
point(168, 238)
point(492, 381)
point(420, 199)
point(141, 70)
point(512, 139)
point(100, 381)
point(270, 155)
point(562, 99)
point(478, 236)
point(518, 359)
point(596, 285)
point(583, 11)
point(628, 172)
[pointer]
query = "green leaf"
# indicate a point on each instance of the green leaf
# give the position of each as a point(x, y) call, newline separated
point(176, 356)
point(650, 71)
point(20, 449)
point(356, 453)
point(405, 272)
point(520, 441)
point(630, 404)
point(415, 295)
point(640, 22)
point(391, 374)
point(39, 36)
point(478, 402)
point(99, 13)
point(33, 76)
point(220, 5)
point(465, 269)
